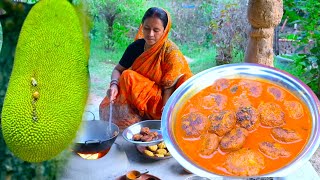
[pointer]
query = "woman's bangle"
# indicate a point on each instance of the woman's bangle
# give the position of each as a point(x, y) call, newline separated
point(113, 84)
point(114, 81)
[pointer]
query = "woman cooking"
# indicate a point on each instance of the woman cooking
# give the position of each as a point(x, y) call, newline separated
point(151, 68)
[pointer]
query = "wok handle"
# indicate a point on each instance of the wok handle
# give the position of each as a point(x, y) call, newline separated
point(92, 142)
point(94, 118)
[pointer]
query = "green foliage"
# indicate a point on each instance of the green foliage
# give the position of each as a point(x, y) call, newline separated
point(99, 54)
point(1, 38)
point(30, 1)
point(306, 14)
point(200, 58)
point(116, 21)
point(191, 23)
point(14, 168)
point(238, 56)
point(229, 27)
point(308, 66)
point(27, 1)
point(192, 30)
point(292, 68)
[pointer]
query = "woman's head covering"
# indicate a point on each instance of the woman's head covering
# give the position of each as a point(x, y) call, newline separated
point(164, 36)
point(163, 63)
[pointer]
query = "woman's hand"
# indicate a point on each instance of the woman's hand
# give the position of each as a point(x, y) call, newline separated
point(113, 92)
point(114, 84)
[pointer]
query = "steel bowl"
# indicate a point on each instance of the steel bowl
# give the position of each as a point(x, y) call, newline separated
point(245, 70)
point(153, 125)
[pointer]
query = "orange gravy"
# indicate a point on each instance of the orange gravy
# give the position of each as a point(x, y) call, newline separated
point(213, 163)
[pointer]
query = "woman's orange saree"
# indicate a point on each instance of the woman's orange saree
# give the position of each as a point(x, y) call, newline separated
point(140, 87)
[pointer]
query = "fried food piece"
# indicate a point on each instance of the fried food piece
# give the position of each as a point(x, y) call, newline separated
point(155, 134)
point(210, 144)
point(147, 138)
point(162, 145)
point(152, 148)
point(161, 151)
point(214, 101)
point(234, 139)
point(158, 150)
point(244, 162)
point(285, 135)
point(241, 101)
point(294, 108)
point(248, 118)
point(221, 84)
point(144, 131)
point(194, 124)
point(254, 88)
point(137, 137)
point(148, 153)
point(159, 155)
point(222, 122)
point(277, 93)
point(145, 135)
point(273, 150)
point(271, 115)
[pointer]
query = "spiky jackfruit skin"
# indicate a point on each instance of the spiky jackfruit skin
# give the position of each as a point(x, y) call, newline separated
point(51, 50)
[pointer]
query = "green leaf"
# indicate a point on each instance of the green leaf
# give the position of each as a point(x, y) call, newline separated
point(300, 48)
point(303, 63)
point(291, 37)
point(315, 50)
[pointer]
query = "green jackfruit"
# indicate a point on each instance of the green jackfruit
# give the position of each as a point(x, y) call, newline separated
point(48, 87)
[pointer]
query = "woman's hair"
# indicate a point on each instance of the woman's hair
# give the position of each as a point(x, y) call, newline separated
point(156, 12)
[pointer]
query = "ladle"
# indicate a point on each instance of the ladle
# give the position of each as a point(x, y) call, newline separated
point(134, 174)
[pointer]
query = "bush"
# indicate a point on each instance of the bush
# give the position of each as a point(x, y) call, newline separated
point(230, 26)
point(306, 14)
point(115, 21)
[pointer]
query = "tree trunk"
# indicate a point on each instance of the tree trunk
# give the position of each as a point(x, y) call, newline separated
point(264, 16)
point(110, 18)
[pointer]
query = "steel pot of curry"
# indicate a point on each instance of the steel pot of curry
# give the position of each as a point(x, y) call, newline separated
point(242, 120)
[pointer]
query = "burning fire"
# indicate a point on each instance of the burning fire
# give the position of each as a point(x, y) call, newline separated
point(93, 156)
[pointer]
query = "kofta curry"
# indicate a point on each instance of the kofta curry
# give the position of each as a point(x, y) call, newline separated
point(242, 127)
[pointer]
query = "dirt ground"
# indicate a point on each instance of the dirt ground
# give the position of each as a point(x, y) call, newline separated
point(315, 161)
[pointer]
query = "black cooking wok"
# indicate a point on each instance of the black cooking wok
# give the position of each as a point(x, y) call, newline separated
point(94, 136)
